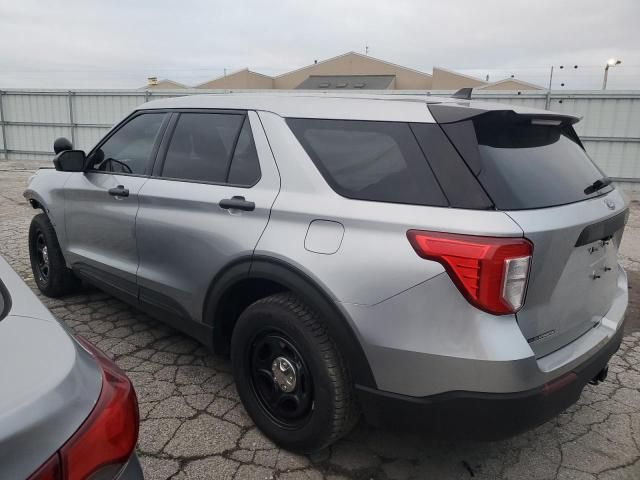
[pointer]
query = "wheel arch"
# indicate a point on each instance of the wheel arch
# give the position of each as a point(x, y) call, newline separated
point(249, 279)
point(36, 201)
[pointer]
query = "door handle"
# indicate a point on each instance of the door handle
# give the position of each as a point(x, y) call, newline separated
point(237, 203)
point(119, 191)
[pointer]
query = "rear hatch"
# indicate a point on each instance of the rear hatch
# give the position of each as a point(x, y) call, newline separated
point(534, 167)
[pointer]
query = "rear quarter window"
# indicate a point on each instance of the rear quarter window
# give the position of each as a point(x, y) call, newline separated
point(366, 160)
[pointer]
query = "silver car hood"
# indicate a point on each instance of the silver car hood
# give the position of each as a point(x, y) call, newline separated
point(49, 384)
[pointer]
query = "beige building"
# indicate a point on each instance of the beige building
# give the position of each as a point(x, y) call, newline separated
point(242, 79)
point(352, 71)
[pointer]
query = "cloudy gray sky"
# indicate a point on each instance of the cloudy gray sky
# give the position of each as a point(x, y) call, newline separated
point(118, 44)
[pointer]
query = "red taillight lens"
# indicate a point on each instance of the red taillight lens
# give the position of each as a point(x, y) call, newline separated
point(104, 442)
point(50, 470)
point(491, 272)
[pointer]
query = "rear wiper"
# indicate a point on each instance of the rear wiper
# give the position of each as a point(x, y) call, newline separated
point(597, 185)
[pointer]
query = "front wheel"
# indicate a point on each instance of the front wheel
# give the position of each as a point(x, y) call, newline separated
point(50, 271)
point(290, 375)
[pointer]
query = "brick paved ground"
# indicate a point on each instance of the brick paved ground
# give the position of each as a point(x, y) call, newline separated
point(193, 426)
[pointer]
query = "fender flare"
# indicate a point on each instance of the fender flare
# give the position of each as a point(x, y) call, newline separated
point(301, 284)
point(35, 200)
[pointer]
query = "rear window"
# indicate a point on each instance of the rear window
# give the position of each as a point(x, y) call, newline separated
point(523, 164)
point(365, 160)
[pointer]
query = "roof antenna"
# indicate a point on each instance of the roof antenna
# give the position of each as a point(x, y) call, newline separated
point(366, 49)
point(463, 93)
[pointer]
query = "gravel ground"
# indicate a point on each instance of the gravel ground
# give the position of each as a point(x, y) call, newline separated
point(194, 427)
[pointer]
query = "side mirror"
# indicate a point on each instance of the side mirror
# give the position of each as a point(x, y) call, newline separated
point(70, 161)
point(61, 144)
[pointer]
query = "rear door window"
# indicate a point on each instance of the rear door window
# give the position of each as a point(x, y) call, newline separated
point(366, 160)
point(202, 146)
point(524, 163)
point(245, 167)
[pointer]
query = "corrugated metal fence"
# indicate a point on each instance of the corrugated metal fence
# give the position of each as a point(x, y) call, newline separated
point(31, 119)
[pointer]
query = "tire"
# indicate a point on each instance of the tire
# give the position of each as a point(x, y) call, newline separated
point(50, 271)
point(281, 326)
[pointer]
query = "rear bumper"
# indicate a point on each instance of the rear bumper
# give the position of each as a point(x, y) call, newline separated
point(429, 341)
point(464, 414)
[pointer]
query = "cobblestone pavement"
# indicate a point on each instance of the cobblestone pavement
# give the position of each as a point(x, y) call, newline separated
point(194, 427)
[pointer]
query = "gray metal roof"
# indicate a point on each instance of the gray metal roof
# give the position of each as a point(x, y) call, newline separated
point(347, 82)
point(333, 104)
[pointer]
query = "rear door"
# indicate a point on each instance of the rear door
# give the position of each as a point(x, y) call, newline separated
point(536, 170)
point(101, 204)
point(206, 205)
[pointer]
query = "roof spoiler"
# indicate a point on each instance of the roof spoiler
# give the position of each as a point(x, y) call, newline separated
point(451, 113)
point(463, 94)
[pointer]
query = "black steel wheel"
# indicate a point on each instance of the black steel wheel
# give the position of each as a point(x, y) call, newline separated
point(42, 267)
point(290, 375)
point(280, 378)
point(50, 271)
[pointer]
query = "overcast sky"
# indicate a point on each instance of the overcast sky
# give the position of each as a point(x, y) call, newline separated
point(118, 44)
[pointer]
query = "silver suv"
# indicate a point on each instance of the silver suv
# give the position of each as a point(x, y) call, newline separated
point(436, 263)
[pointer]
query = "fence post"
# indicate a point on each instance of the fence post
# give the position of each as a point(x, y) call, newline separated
point(4, 130)
point(71, 121)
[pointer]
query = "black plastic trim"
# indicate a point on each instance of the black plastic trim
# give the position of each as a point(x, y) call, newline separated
point(155, 304)
point(169, 311)
point(107, 281)
point(290, 277)
point(602, 230)
point(457, 112)
point(478, 415)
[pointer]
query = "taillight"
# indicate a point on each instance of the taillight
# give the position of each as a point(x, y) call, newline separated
point(100, 448)
point(491, 272)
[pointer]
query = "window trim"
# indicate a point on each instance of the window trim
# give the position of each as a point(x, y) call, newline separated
point(154, 151)
point(163, 148)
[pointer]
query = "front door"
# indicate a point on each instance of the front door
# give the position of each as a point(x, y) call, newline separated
point(101, 204)
point(206, 207)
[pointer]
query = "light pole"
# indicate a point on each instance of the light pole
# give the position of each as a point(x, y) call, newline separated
point(612, 62)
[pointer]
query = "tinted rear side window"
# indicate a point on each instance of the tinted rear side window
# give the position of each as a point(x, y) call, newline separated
point(201, 147)
point(523, 164)
point(379, 161)
point(245, 167)
point(456, 179)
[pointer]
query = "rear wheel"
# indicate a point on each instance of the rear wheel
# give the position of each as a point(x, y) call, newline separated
point(290, 376)
point(50, 271)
